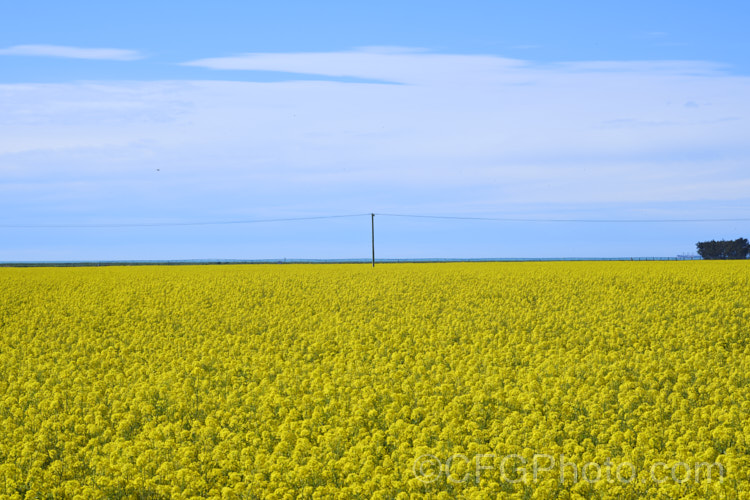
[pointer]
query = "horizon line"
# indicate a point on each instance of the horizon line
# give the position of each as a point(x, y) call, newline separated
point(172, 262)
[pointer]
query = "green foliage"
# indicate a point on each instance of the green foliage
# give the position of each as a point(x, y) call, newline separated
point(724, 249)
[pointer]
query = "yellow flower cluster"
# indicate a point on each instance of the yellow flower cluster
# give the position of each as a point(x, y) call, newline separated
point(402, 381)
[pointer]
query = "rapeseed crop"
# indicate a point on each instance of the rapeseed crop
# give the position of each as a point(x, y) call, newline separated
point(476, 380)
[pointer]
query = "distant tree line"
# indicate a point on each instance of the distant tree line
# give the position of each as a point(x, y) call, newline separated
point(724, 249)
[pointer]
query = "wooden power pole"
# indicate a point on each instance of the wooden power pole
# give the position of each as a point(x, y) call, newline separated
point(372, 226)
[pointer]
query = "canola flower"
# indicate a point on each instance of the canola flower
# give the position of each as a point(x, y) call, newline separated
point(331, 381)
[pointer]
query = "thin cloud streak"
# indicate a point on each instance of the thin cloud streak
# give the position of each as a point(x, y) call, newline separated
point(389, 64)
point(68, 52)
point(401, 65)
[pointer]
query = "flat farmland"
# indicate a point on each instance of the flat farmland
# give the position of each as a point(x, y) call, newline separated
point(476, 380)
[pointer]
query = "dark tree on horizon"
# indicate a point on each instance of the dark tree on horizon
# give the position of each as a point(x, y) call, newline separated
point(724, 249)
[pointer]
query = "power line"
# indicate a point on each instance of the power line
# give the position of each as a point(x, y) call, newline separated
point(320, 217)
point(164, 224)
point(507, 219)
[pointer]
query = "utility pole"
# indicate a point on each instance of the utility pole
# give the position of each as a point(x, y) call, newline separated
point(372, 226)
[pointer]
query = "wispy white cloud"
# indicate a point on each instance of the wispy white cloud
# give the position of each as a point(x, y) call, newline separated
point(394, 64)
point(420, 67)
point(72, 52)
point(463, 131)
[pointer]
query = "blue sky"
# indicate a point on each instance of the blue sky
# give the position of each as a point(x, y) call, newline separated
point(130, 112)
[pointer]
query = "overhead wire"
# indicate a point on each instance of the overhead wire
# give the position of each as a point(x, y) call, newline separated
point(321, 217)
point(512, 219)
point(165, 224)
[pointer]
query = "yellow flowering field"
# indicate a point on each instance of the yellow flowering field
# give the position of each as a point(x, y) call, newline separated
point(474, 380)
